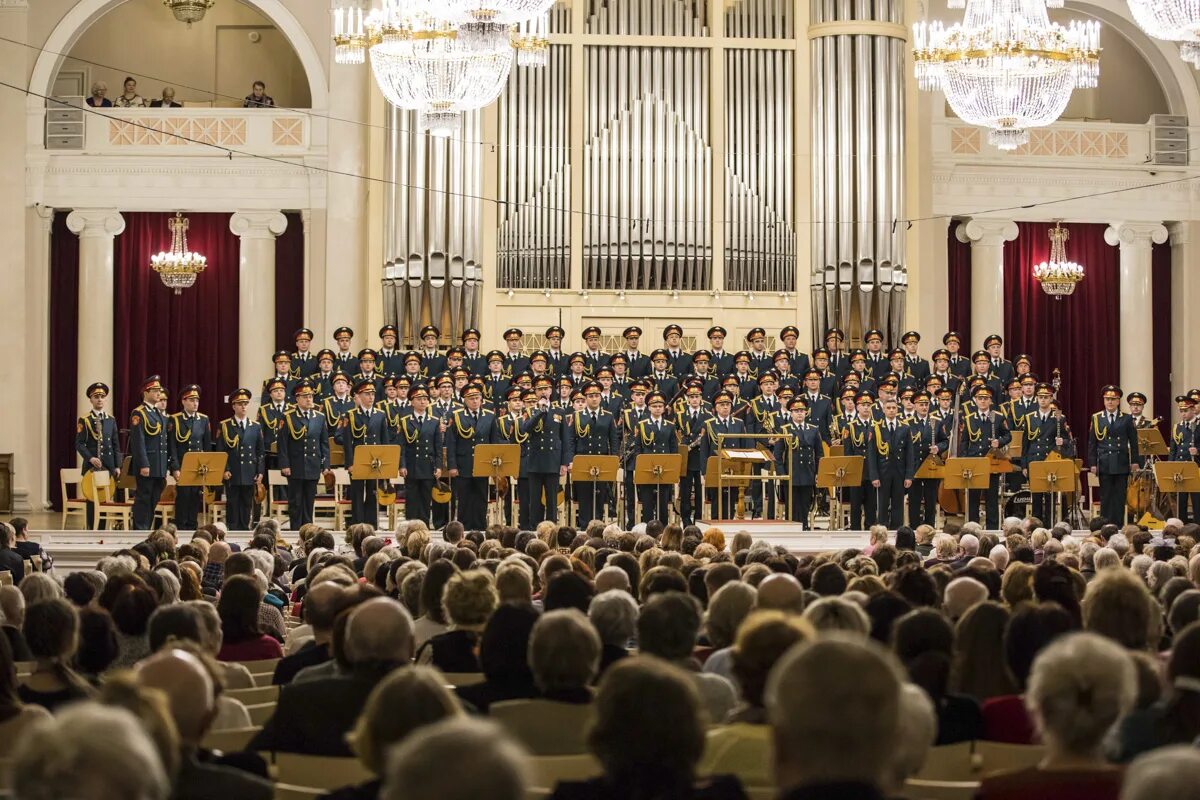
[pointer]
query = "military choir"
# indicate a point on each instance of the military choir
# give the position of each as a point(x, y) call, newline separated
point(901, 415)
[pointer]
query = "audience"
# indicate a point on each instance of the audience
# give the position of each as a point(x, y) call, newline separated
point(52, 631)
point(10, 559)
point(258, 97)
point(242, 639)
point(130, 98)
point(417, 768)
point(614, 614)
point(504, 658)
point(468, 599)
point(97, 98)
point(668, 628)
point(16, 716)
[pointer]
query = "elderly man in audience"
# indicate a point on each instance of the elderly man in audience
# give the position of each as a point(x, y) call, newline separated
point(321, 607)
point(190, 695)
point(781, 592)
point(1172, 773)
point(12, 610)
point(314, 716)
point(432, 767)
point(614, 614)
point(668, 627)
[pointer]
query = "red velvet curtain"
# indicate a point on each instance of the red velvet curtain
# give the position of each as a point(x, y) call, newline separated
point(958, 262)
point(1077, 334)
point(1161, 298)
point(186, 338)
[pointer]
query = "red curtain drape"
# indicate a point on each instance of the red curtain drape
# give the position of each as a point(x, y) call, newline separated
point(1161, 298)
point(958, 262)
point(186, 338)
point(1076, 334)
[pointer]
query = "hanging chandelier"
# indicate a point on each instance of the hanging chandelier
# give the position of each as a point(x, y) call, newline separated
point(1172, 20)
point(442, 58)
point(189, 11)
point(1058, 276)
point(179, 267)
point(1006, 66)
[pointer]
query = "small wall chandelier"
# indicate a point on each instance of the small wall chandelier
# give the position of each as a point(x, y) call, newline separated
point(189, 11)
point(179, 267)
point(1058, 276)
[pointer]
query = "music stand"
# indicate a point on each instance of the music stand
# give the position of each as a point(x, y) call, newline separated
point(595, 470)
point(1150, 443)
point(375, 462)
point(744, 457)
point(725, 474)
point(837, 473)
point(500, 461)
point(1180, 477)
point(657, 471)
point(967, 473)
point(931, 467)
point(204, 470)
point(1051, 476)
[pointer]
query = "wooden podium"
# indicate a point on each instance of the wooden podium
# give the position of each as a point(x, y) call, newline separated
point(835, 474)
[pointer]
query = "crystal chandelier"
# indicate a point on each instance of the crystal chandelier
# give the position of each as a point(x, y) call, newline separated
point(189, 11)
point(1058, 276)
point(439, 57)
point(1172, 20)
point(178, 268)
point(1006, 66)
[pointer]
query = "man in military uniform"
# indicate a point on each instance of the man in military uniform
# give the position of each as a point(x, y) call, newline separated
point(943, 372)
point(443, 404)
point(577, 371)
point(610, 401)
point(496, 381)
point(190, 433)
point(594, 356)
point(303, 443)
point(702, 371)
point(916, 366)
point(367, 371)
point(723, 432)
point(515, 362)
point(473, 358)
point(244, 442)
point(432, 361)
point(1112, 452)
point(631, 416)
point(722, 359)
point(982, 430)
point(798, 452)
point(508, 431)
point(322, 379)
point(760, 359)
point(344, 358)
point(1185, 446)
point(619, 366)
point(339, 402)
point(362, 425)
point(692, 425)
point(149, 449)
point(283, 374)
point(763, 418)
point(303, 362)
point(982, 363)
point(391, 360)
point(818, 407)
point(96, 441)
point(546, 428)
point(420, 466)
point(828, 385)
point(468, 427)
point(664, 381)
point(412, 368)
point(797, 359)
point(861, 372)
point(655, 435)
point(783, 371)
point(1043, 432)
point(1001, 367)
point(556, 358)
point(396, 407)
point(959, 365)
point(746, 379)
point(270, 416)
point(923, 438)
point(1137, 407)
point(638, 364)
point(839, 360)
point(1026, 403)
point(859, 440)
point(891, 464)
point(680, 362)
point(593, 432)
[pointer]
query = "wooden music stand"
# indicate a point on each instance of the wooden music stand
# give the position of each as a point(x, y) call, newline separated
point(337, 453)
point(1056, 476)
point(1150, 443)
point(127, 481)
point(1180, 477)
point(931, 468)
point(837, 473)
point(968, 473)
point(375, 462)
point(596, 470)
point(500, 461)
point(204, 470)
point(1015, 445)
point(725, 474)
point(657, 471)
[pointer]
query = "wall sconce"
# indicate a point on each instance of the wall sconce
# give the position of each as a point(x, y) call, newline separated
point(510, 294)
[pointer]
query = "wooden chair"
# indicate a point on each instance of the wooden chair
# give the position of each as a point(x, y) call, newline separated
point(73, 504)
point(916, 789)
point(326, 505)
point(546, 771)
point(231, 741)
point(261, 712)
point(164, 510)
point(341, 482)
point(255, 696)
point(285, 791)
point(457, 679)
point(545, 727)
point(277, 509)
point(112, 512)
point(320, 772)
point(991, 757)
point(263, 665)
point(262, 679)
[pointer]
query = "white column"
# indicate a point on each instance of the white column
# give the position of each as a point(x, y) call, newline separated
point(1185, 298)
point(1137, 307)
point(256, 286)
point(96, 229)
point(987, 237)
point(346, 269)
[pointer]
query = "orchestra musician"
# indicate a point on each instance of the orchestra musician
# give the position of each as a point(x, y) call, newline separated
point(891, 464)
point(244, 443)
point(1112, 452)
point(692, 424)
point(548, 459)
point(1185, 446)
point(360, 426)
point(190, 433)
point(508, 427)
point(982, 431)
point(923, 435)
point(466, 428)
point(798, 451)
point(96, 441)
point(149, 450)
point(303, 452)
point(593, 432)
point(859, 440)
point(1044, 433)
point(655, 435)
point(420, 438)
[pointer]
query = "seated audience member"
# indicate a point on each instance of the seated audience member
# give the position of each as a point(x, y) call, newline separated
point(52, 631)
point(417, 767)
point(1030, 630)
point(611, 577)
point(924, 641)
point(781, 592)
point(314, 716)
point(1119, 606)
point(1169, 773)
point(191, 697)
point(406, 700)
point(270, 619)
point(727, 609)
point(167, 100)
point(1081, 685)
point(150, 707)
point(258, 97)
point(1175, 719)
point(321, 607)
point(667, 628)
point(214, 570)
point(433, 615)
point(914, 738)
point(16, 716)
point(614, 614)
point(564, 654)
point(961, 595)
point(98, 644)
point(97, 98)
point(834, 708)
point(130, 98)
point(103, 746)
point(242, 639)
point(838, 614)
point(567, 590)
point(12, 607)
point(130, 601)
point(469, 599)
point(27, 549)
point(503, 658)
point(977, 669)
point(742, 746)
point(10, 559)
point(514, 582)
point(233, 674)
point(648, 737)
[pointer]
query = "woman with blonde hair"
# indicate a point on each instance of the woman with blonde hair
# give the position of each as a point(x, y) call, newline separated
point(468, 601)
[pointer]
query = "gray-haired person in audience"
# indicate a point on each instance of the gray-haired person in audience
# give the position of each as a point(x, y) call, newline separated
point(432, 766)
point(614, 614)
point(564, 654)
point(89, 752)
point(321, 607)
point(727, 609)
point(834, 708)
point(1171, 773)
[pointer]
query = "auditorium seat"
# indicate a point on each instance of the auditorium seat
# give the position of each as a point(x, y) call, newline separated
point(261, 712)
point(320, 772)
point(545, 727)
point(74, 506)
point(285, 791)
point(915, 789)
point(456, 679)
point(255, 696)
point(257, 667)
point(546, 771)
point(970, 761)
point(229, 741)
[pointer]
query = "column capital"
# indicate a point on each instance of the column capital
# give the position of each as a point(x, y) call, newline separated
point(1132, 233)
point(1179, 233)
point(257, 224)
point(986, 230)
point(89, 222)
